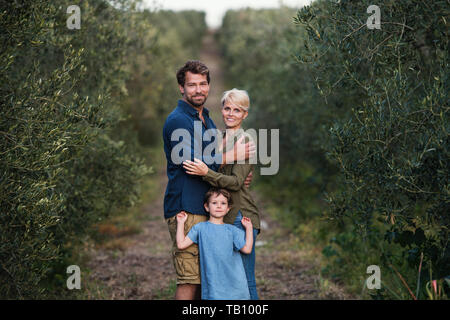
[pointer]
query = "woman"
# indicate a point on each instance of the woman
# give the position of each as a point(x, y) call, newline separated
point(235, 105)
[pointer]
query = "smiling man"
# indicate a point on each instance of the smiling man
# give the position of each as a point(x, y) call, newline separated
point(184, 193)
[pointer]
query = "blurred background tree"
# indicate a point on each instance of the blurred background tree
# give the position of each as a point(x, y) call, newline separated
point(364, 123)
point(73, 137)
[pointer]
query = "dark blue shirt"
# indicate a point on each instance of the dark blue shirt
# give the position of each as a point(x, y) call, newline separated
point(185, 192)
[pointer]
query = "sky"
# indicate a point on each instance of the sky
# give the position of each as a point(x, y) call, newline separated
point(215, 9)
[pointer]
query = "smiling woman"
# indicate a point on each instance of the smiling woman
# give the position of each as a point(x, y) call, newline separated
point(235, 105)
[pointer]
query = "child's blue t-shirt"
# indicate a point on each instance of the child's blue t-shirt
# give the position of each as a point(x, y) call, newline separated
point(221, 269)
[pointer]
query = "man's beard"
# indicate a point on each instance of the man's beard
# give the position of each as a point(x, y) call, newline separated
point(196, 104)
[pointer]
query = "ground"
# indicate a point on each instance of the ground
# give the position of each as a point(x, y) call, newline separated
point(138, 265)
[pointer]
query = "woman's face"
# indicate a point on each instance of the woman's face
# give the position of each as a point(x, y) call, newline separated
point(233, 115)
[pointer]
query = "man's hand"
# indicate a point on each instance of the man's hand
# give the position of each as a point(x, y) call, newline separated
point(249, 179)
point(247, 223)
point(181, 217)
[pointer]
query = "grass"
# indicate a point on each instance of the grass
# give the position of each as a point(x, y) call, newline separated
point(56, 283)
point(309, 236)
point(112, 234)
point(343, 263)
point(167, 293)
point(340, 254)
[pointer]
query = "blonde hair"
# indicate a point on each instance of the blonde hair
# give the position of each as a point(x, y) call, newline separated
point(237, 97)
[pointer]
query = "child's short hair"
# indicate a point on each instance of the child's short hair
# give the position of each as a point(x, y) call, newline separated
point(217, 191)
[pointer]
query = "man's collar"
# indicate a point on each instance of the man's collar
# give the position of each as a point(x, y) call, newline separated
point(190, 109)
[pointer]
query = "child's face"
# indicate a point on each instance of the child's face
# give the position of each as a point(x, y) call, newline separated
point(217, 206)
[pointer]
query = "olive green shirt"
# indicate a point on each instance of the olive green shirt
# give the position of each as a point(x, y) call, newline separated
point(232, 177)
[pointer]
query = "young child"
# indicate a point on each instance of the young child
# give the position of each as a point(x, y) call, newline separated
point(221, 270)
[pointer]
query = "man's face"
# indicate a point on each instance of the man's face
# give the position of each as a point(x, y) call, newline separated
point(195, 89)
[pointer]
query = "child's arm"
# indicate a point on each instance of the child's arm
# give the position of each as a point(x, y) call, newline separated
point(247, 223)
point(182, 241)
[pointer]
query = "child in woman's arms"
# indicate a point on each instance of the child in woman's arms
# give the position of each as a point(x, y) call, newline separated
point(221, 269)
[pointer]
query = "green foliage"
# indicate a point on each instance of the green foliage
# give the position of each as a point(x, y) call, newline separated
point(364, 123)
point(393, 150)
point(69, 147)
point(175, 37)
point(258, 48)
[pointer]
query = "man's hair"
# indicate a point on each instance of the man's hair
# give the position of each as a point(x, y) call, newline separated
point(193, 66)
point(217, 191)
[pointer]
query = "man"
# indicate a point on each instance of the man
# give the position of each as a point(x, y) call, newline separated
point(184, 193)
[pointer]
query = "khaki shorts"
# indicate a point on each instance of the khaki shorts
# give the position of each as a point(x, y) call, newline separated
point(186, 262)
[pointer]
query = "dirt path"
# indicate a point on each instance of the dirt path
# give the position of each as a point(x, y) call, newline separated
point(142, 269)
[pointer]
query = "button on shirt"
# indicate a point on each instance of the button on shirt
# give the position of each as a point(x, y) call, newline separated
point(185, 192)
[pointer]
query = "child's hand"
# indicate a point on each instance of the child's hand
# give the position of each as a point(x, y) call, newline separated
point(181, 217)
point(246, 222)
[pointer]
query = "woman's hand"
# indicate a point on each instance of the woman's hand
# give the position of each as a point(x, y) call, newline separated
point(195, 168)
